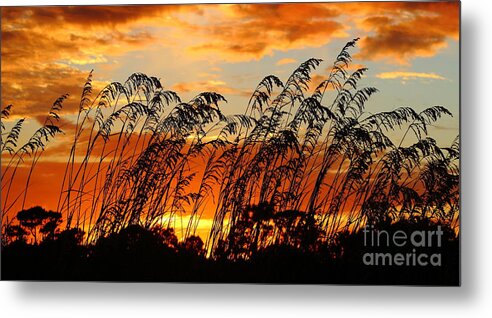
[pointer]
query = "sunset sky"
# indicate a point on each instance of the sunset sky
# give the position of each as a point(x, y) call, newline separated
point(411, 50)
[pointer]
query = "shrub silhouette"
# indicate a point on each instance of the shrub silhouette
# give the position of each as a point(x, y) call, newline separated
point(14, 233)
point(193, 245)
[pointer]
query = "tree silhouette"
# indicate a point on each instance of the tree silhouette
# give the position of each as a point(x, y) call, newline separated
point(37, 220)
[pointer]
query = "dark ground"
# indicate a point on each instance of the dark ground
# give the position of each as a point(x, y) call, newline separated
point(136, 254)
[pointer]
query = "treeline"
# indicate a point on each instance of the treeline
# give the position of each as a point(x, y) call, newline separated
point(139, 254)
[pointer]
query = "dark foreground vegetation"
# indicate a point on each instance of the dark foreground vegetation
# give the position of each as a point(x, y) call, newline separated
point(289, 185)
point(139, 254)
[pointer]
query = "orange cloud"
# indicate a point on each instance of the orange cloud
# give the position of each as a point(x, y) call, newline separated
point(397, 31)
point(415, 30)
point(33, 91)
point(43, 48)
point(89, 16)
point(250, 31)
point(47, 51)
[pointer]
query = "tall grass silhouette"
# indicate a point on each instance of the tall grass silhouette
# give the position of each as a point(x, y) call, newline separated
point(298, 167)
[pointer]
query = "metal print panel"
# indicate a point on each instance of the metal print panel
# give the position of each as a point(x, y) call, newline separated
point(265, 143)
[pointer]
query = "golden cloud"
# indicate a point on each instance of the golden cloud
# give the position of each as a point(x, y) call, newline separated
point(286, 61)
point(217, 86)
point(409, 75)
